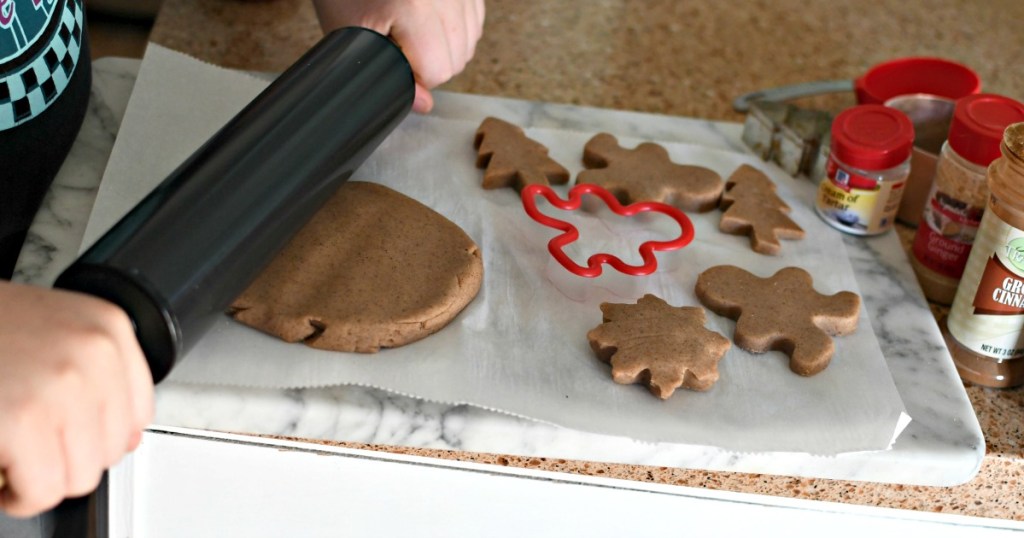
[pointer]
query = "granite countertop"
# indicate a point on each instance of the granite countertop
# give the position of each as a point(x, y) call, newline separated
point(686, 59)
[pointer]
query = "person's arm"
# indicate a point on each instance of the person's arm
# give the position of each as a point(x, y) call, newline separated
point(75, 394)
point(438, 37)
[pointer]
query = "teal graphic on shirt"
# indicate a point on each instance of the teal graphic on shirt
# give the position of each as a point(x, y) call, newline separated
point(22, 22)
point(40, 41)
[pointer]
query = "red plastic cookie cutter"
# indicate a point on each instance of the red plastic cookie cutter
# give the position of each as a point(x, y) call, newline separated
point(570, 233)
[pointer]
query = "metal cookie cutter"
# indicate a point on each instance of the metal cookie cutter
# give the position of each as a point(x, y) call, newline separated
point(797, 138)
point(788, 135)
point(576, 280)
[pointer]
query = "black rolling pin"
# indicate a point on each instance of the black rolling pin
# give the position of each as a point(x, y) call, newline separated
point(178, 259)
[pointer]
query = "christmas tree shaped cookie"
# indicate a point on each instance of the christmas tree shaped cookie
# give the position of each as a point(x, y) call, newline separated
point(511, 159)
point(752, 207)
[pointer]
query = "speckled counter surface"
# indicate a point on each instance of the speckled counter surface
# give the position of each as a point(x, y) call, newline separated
point(688, 59)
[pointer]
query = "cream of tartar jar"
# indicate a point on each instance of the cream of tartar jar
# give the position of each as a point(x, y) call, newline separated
point(867, 169)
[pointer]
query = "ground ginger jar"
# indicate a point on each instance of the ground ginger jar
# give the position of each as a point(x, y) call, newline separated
point(986, 320)
point(953, 210)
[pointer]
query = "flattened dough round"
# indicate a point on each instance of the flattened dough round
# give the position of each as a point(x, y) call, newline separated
point(373, 268)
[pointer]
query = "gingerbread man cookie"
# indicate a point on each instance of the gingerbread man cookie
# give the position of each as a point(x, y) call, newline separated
point(662, 346)
point(646, 173)
point(511, 159)
point(753, 208)
point(780, 313)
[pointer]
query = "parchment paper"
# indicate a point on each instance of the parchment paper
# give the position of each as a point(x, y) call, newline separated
point(520, 347)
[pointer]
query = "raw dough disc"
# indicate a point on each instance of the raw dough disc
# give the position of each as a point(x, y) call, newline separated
point(373, 268)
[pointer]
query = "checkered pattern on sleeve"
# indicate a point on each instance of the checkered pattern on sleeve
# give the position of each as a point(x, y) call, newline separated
point(27, 92)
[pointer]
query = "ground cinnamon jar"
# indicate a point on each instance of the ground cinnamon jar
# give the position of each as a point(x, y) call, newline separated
point(986, 320)
point(953, 209)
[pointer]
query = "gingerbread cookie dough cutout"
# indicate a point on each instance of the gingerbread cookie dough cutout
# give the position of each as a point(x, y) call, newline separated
point(661, 346)
point(646, 173)
point(752, 207)
point(780, 313)
point(372, 269)
point(511, 159)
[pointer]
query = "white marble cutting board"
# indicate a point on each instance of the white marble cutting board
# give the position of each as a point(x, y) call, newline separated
point(942, 446)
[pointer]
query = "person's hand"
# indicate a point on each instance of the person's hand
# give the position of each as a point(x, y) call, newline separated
point(437, 36)
point(75, 394)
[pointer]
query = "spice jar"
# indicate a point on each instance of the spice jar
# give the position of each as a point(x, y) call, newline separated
point(952, 212)
point(866, 170)
point(986, 320)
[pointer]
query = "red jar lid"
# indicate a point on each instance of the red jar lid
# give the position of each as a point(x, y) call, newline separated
point(872, 137)
point(978, 125)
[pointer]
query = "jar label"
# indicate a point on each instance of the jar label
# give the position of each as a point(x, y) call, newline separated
point(987, 315)
point(945, 234)
point(857, 204)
